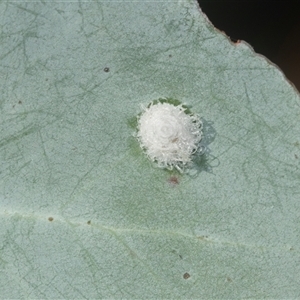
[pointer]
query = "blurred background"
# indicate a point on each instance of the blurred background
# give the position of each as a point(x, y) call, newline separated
point(271, 27)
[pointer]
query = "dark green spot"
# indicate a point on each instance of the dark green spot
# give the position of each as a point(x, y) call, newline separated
point(132, 122)
point(172, 101)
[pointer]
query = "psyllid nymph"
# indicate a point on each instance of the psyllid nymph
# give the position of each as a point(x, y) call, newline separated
point(168, 134)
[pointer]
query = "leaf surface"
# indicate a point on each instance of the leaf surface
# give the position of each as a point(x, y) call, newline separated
point(84, 213)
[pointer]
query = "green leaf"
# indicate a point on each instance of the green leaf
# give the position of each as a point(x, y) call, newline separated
point(85, 214)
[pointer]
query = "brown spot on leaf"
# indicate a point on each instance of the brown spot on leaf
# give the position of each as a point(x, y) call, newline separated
point(50, 219)
point(173, 180)
point(106, 69)
point(89, 222)
point(186, 275)
point(202, 237)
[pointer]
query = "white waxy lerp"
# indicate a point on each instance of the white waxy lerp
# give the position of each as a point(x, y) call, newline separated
point(168, 134)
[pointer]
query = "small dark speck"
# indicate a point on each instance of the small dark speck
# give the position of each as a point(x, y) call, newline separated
point(106, 70)
point(186, 275)
point(229, 279)
point(202, 237)
point(89, 222)
point(20, 102)
point(173, 180)
point(50, 219)
point(170, 55)
point(180, 256)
